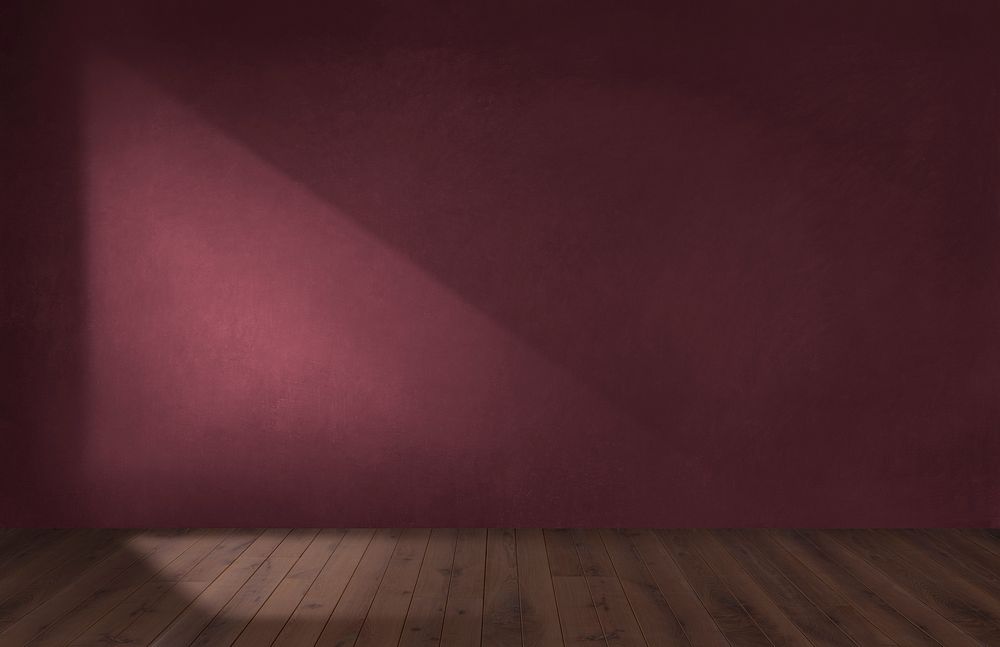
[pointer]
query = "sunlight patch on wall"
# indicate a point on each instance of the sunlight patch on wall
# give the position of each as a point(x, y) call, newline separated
point(243, 330)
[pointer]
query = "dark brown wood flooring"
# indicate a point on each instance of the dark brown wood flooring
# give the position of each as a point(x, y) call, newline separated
point(499, 588)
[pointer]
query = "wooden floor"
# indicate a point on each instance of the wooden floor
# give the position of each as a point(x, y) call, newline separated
point(529, 588)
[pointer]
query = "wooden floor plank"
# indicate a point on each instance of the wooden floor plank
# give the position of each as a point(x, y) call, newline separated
point(106, 628)
point(186, 627)
point(36, 564)
point(87, 591)
point(539, 615)
point(730, 616)
point(463, 623)
point(771, 619)
point(384, 622)
point(976, 609)
point(564, 560)
point(309, 618)
point(819, 628)
point(268, 622)
point(25, 542)
point(920, 584)
point(574, 602)
point(15, 540)
point(425, 618)
point(900, 598)
point(656, 619)
point(969, 553)
point(931, 584)
point(464, 610)
point(500, 588)
point(825, 598)
point(864, 600)
point(155, 613)
point(29, 566)
point(698, 624)
point(614, 614)
point(215, 563)
point(621, 629)
point(976, 567)
point(230, 621)
point(94, 607)
point(986, 539)
point(577, 613)
point(63, 573)
point(502, 605)
point(206, 542)
point(121, 616)
point(593, 554)
point(348, 616)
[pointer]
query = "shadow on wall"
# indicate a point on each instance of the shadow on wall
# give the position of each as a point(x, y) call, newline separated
point(259, 336)
point(566, 264)
point(42, 337)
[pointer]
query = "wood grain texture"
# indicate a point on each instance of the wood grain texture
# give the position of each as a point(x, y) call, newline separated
point(502, 603)
point(114, 592)
point(463, 618)
point(227, 625)
point(828, 600)
point(500, 588)
point(861, 598)
point(970, 609)
point(539, 615)
point(186, 627)
point(106, 582)
point(890, 590)
point(425, 619)
point(613, 609)
point(263, 629)
point(772, 620)
point(384, 622)
point(654, 615)
point(351, 611)
point(981, 568)
point(730, 616)
point(698, 624)
point(65, 567)
point(577, 614)
point(155, 615)
point(310, 617)
point(145, 599)
point(815, 624)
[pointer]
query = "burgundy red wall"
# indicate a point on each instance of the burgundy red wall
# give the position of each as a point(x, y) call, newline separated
point(468, 263)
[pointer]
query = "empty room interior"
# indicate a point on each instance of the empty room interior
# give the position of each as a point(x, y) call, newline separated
point(499, 323)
